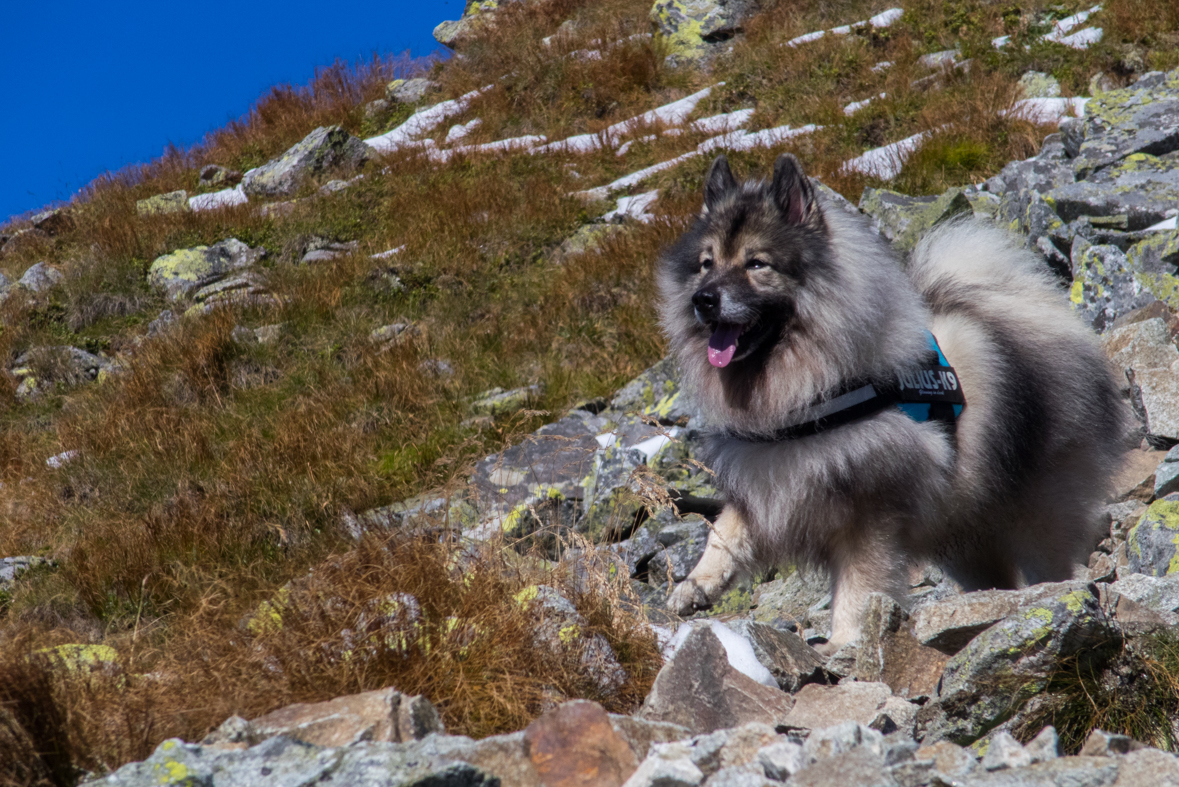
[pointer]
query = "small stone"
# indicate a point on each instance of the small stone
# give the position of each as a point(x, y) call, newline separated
point(830, 742)
point(215, 175)
point(1005, 752)
point(185, 271)
point(782, 760)
point(269, 334)
point(660, 771)
point(53, 222)
point(1107, 744)
point(407, 91)
point(1045, 746)
point(243, 335)
point(40, 278)
point(1037, 84)
point(172, 202)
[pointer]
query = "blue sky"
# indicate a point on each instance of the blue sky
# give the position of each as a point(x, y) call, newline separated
point(90, 87)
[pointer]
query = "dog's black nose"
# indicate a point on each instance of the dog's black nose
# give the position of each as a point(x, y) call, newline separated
point(707, 303)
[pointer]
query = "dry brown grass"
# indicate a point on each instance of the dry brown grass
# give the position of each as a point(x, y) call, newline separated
point(466, 641)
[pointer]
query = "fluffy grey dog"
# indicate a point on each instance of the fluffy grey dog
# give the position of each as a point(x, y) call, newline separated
point(776, 305)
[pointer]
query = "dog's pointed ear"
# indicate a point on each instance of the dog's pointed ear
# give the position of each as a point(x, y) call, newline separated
point(718, 182)
point(793, 190)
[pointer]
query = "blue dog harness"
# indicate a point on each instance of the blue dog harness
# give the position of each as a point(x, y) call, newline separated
point(931, 392)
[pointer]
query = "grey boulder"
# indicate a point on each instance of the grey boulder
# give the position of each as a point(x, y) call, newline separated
point(325, 148)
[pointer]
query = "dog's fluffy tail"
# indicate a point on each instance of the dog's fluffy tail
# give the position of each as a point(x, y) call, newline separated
point(967, 261)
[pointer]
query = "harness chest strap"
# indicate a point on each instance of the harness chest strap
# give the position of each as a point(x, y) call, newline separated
point(930, 393)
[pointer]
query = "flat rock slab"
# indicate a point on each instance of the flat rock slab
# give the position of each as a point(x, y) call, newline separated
point(557, 457)
point(948, 625)
point(700, 690)
point(817, 707)
point(1140, 118)
point(382, 715)
point(1141, 188)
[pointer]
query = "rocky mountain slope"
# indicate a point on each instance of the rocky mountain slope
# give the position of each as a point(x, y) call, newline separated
point(347, 424)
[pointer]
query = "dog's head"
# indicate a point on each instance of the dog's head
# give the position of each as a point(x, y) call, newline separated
point(732, 284)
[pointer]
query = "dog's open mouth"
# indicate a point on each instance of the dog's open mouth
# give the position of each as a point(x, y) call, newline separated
point(722, 346)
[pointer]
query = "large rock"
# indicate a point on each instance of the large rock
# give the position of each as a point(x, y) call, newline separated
point(183, 272)
point(656, 393)
point(382, 715)
point(54, 221)
point(1160, 594)
point(172, 202)
point(689, 26)
point(575, 745)
point(1105, 286)
point(1152, 544)
point(902, 219)
point(1141, 345)
point(1138, 191)
point(1142, 118)
point(325, 148)
point(951, 623)
point(700, 690)
point(988, 681)
point(817, 706)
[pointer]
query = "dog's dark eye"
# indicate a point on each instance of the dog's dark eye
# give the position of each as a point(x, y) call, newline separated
point(756, 263)
point(705, 264)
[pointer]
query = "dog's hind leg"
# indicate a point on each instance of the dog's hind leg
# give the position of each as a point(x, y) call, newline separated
point(857, 571)
point(728, 548)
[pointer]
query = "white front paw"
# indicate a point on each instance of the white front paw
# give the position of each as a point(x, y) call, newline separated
point(688, 597)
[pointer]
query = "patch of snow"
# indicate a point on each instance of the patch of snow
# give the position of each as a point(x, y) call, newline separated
point(422, 121)
point(653, 445)
point(1000, 42)
point(381, 255)
point(734, 140)
point(946, 57)
point(1047, 110)
point(582, 143)
point(883, 65)
point(738, 651)
point(806, 38)
point(527, 142)
point(886, 162)
point(635, 208)
point(766, 137)
point(856, 106)
point(461, 130)
point(1166, 224)
point(883, 19)
point(59, 460)
point(1084, 38)
point(226, 198)
point(717, 124)
point(606, 439)
point(886, 18)
point(673, 114)
point(1063, 26)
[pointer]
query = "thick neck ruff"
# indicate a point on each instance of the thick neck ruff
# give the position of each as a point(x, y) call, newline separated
point(929, 393)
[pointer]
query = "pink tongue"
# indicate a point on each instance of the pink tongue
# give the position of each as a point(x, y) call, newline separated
point(723, 345)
